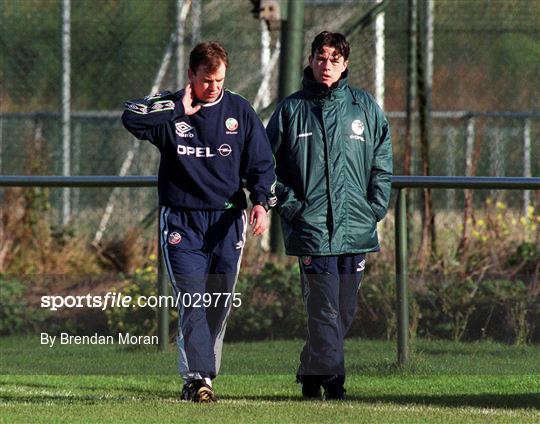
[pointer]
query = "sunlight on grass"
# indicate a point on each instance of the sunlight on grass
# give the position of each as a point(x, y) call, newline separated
point(445, 382)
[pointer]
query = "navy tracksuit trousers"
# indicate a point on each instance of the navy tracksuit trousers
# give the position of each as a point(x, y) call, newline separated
point(329, 286)
point(202, 250)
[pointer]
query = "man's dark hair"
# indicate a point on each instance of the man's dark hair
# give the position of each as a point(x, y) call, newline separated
point(331, 39)
point(209, 55)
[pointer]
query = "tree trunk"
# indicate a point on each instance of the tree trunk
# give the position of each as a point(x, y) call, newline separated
point(468, 212)
point(424, 61)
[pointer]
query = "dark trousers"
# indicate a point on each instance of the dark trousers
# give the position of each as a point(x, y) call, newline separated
point(329, 286)
point(202, 251)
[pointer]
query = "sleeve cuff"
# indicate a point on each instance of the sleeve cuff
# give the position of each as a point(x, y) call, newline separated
point(258, 198)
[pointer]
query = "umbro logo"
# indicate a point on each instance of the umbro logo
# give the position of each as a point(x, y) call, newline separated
point(183, 130)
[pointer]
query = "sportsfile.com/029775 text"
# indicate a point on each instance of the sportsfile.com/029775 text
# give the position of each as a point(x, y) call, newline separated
point(118, 300)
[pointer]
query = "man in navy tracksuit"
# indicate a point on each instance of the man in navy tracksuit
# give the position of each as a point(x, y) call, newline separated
point(210, 140)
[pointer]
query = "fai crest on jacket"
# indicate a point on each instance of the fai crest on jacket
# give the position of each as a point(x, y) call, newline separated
point(232, 126)
point(357, 127)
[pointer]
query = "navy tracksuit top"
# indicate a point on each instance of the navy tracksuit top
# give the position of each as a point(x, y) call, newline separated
point(205, 157)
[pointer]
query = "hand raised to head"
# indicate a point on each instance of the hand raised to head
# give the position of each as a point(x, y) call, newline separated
point(187, 101)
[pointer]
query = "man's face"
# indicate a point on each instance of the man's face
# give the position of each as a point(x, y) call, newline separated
point(207, 85)
point(327, 65)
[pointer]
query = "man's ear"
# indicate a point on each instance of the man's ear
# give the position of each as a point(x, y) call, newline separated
point(190, 75)
point(309, 60)
point(345, 64)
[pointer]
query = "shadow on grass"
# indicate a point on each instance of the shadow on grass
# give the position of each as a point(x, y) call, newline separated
point(107, 394)
point(519, 400)
point(485, 400)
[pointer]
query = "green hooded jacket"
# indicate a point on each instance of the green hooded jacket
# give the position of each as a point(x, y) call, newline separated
point(334, 166)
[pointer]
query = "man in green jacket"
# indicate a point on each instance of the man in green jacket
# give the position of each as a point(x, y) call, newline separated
point(334, 167)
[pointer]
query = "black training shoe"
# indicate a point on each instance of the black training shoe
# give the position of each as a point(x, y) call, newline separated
point(198, 391)
point(333, 388)
point(311, 386)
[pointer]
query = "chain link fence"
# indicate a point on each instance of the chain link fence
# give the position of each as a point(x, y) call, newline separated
point(122, 50)
point(485, 59)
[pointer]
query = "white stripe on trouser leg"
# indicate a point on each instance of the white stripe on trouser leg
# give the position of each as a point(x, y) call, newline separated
point(218, 346)
point(183, 366)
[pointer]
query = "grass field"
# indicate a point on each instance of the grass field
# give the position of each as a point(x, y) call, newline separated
point(445, 382)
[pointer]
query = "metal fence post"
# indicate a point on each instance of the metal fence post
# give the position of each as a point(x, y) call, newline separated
point(292, 41)
point(66, 108)
point(162, 286)
point(401, 278)
point(526, 162)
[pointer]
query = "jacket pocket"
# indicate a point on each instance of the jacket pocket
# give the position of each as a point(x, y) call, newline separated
point(290, 210)
point(288, 205)
point(363, 218)
point(377, 211)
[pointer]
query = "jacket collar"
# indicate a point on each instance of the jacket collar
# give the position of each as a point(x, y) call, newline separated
point(317, 89)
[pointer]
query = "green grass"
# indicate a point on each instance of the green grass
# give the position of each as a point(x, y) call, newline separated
point(445, 382)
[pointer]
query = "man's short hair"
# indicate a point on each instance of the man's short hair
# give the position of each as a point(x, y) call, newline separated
point(331, 39)
point(209, 55)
